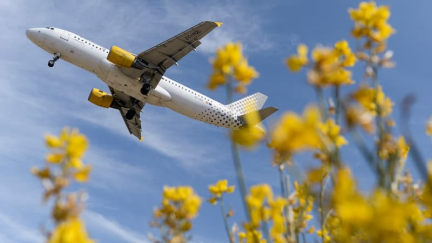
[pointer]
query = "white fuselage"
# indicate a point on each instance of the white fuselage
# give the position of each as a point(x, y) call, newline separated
point(93, 58)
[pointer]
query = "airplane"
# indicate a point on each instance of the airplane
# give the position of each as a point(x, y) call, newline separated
point(136, 80)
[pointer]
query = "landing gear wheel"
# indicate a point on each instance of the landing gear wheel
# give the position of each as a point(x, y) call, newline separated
point(55, 58)
point(145, 89)
point(130, 114)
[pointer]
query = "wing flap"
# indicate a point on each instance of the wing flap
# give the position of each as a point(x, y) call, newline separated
point(124, 103)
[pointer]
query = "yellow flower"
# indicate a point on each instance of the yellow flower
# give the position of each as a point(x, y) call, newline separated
point(250, 134)
point(251, 236)
point(244, 73)
point(369, 98)
point(181, 201)
point(316, 175)
point(230, 62)
point(228, 56)
point(82, 175)
point(321, 233)
point(213, 200)
point(53, 141)
point(328, 65)
point(70, 231)
point(371, 22)
point(338, 77)
point(54, 158)
point(260, 193)
point(293, 134)
point(215, 80)
point(77, 145)
point(332, 133)
point(342, 48)
point(403, 147)
point(75, 163)
point(221, 187)
point(296, 62)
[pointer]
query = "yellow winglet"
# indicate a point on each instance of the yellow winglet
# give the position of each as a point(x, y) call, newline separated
point(141, 139)
point(219, 24)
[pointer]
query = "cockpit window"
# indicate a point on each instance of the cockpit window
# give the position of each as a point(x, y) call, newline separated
point(50, 28)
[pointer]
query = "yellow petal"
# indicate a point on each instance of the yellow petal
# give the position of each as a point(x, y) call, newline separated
point(75, 163)
point(53, 141)
point(230, 189)
point(54, 158)
point(82, 175)
point(44, 173)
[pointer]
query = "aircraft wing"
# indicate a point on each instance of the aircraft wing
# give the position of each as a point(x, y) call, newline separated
point(124, 103)
point(169, 52)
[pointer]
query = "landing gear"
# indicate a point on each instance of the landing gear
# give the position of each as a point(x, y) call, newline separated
point(145, 89)
point(55, 58)
point(130, 114)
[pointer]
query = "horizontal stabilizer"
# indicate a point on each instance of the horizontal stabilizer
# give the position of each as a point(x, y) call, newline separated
point(248, 104)
point(263, 114)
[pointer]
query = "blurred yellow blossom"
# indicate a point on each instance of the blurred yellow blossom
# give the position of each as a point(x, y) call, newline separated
point(403, 148)
point(218, 189)
point(179, 206)
point(369, 98)
point(251, 236)
point(70, 231)
point(296, 62)
point(327, 66)
point(66, 152)
point(332, 133)
point(251, 133)
point(54, 158)
point(293, 134)
point(264, 209)
point(244, 73)
point(371, 22)
point(82, 175)
point(324, 234)
point(230, 62)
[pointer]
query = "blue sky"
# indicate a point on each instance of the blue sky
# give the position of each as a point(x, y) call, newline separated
point(128, 176)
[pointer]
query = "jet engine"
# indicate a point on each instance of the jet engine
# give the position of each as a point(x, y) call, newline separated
point(125, 59)
point(100, 98)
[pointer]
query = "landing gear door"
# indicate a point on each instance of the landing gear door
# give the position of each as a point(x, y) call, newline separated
point(65, 35)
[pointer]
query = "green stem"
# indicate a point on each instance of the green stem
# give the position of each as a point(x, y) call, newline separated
point(379, 123)
point(290, 214)
point(369, 157)
point(265, 230)
point(322, 102)
point(225, 220)
point(285, 196)
point(338, 104)
point(236, 157)
point(323, 184)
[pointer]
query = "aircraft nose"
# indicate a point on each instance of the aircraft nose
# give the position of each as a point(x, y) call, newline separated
point(31, 34)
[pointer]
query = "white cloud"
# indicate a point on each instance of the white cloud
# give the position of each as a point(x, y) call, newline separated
point(111, 227)
point(15, 231)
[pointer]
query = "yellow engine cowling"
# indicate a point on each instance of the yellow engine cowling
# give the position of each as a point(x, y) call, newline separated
point(100, 98)
point(121, 57)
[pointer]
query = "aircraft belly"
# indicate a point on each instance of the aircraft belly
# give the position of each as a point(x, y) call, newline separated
point(185, 103)
point(116, 79)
